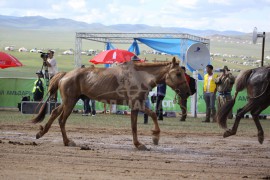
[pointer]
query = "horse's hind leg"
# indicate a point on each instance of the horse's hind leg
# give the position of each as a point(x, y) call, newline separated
point(255, 116)
point(55, 113)
point(156, 130)
point(259, 127)
point(233, 131)
point(67, 109)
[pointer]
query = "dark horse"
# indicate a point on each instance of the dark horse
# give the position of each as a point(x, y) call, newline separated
point(256, 81)
point(126, 84)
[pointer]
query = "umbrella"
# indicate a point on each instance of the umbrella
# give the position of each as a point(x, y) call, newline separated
point(7, 60)
point(112, 56)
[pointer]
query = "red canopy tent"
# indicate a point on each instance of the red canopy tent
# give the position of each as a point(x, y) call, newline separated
point(112, 56)
point(7, 60)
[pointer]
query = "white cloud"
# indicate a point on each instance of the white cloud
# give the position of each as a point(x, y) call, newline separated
point(190, 4)
point(203, 14)
point(113, 8)
point(94, 15)
point(57, 7)
point(223, 2)
point(77, 4)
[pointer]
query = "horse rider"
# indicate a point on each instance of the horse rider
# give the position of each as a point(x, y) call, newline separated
point(224, 84)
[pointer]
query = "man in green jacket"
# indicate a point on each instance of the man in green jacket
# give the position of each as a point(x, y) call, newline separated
point(38, 89)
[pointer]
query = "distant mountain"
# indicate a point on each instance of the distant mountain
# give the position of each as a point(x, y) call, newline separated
point(62, 24)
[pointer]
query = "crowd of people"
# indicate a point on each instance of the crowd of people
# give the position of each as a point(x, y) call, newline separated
point(215, 86)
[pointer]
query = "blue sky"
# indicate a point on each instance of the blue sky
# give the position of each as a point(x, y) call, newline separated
point(239, 15)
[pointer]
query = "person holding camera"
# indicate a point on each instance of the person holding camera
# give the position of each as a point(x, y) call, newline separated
point(224, 84)
point(38, 89)
point(51, 63)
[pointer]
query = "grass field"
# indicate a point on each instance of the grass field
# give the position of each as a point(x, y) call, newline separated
point(32, 62)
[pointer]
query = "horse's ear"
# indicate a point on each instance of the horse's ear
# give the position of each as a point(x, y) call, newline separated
point(174, 62)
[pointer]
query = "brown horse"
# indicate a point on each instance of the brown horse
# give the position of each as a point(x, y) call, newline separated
point(256, 81)
point(126, 84)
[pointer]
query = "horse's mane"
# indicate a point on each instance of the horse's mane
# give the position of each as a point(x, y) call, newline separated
point(153, 64)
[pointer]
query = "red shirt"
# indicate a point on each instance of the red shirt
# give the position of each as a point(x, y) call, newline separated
point(187, 78)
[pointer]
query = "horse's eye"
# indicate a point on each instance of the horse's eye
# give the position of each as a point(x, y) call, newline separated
point(178, 74)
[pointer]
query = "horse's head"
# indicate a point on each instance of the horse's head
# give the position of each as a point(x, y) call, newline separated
point(175, 78)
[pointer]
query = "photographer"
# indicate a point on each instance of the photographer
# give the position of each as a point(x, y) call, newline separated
point(51, 63)
point(50, 66)
point(224, 84)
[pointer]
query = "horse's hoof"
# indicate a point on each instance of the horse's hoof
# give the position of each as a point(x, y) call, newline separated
point(227, 133)
point(155, 140)
point(38, 135)
point(143, 148)
point(260, 139)
point(71, 144)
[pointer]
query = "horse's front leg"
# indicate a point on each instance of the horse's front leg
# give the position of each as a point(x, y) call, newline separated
point(244, 110)
point(156, 130)
point(137, 144)
point(230, 132)
point(55, 113)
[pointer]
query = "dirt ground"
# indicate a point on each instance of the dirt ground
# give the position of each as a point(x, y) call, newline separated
point(111, 155)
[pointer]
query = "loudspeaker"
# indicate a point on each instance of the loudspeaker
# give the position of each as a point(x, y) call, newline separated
point(33, 107)
point(30, 107)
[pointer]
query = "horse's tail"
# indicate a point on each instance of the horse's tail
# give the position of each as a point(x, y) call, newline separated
point(53, 87)
point(242, 80)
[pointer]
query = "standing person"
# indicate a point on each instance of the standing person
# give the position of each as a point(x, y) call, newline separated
point(209, 93)
point(161, 92)
point(224, 87)
point(147, 105)
point(86, 106)
point(183, 102)
point(92, 107)
point(52, 69)
point(38, 89)
point(51, 63)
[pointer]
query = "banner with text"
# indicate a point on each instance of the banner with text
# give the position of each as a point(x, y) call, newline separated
point(13, 89)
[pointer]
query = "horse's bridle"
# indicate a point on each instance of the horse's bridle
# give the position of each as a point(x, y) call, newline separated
point(180, 83)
